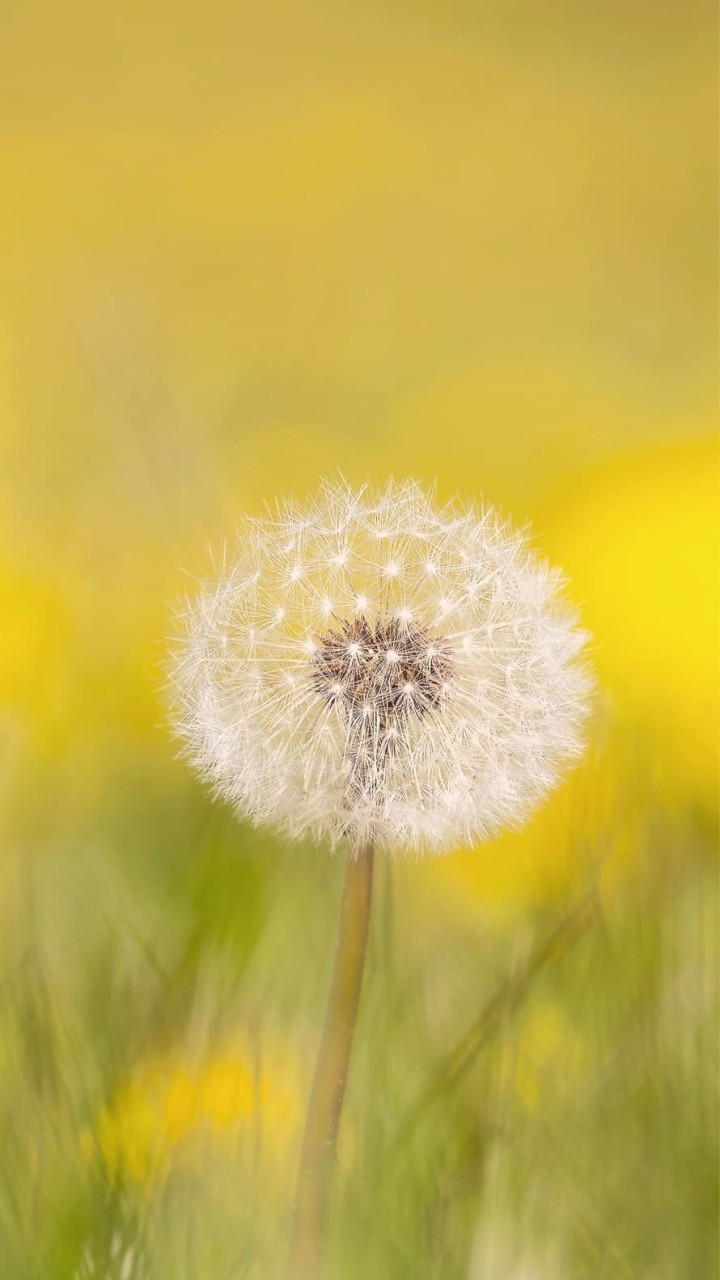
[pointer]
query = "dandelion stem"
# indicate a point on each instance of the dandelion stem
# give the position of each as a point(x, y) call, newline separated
point(331, 1070)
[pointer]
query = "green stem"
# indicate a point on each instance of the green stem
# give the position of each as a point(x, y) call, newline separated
point(326, 1099)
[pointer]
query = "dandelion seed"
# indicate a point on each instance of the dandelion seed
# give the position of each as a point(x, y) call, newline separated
point(458, 677)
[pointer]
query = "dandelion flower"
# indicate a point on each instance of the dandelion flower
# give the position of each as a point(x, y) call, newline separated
point(373, 668)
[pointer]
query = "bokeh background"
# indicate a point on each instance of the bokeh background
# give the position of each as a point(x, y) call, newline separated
point(242, 247)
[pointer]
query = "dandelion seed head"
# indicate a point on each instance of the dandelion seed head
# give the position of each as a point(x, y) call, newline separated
point(422, 709)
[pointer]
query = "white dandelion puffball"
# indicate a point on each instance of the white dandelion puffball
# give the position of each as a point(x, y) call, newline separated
point(374, 668)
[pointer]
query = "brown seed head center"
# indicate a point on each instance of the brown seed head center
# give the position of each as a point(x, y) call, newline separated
point(385, 673)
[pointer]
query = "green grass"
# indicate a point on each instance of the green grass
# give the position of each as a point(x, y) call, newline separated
point(515, 1112)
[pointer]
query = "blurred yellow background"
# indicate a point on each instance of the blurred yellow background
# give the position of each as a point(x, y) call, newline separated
point(243, 248)
point(246, 246)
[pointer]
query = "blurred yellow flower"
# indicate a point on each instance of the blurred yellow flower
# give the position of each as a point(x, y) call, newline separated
point(33, 644)
point(544, 1060)
point(169, 1111)
point(639, 541)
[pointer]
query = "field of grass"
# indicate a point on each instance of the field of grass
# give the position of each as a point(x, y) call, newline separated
point(244, 248)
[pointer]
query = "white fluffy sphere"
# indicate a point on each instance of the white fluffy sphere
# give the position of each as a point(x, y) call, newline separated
point(374, 668)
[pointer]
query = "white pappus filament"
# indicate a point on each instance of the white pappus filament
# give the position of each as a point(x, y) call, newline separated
point(377, 668)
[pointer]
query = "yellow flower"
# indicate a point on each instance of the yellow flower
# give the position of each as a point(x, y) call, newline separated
point(545, 1060)
point(169, 1111)
point(640, 543)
